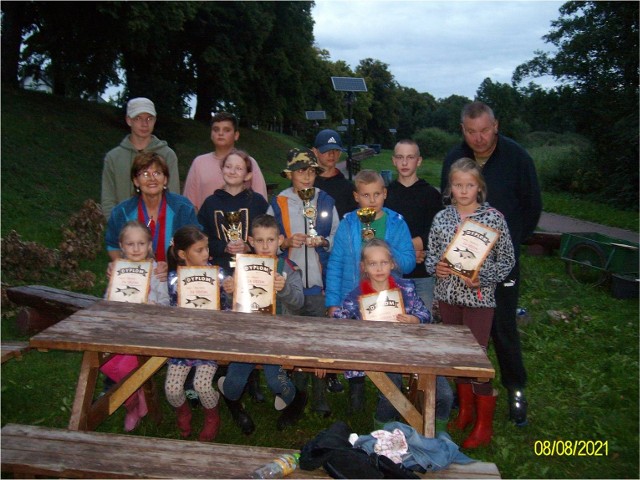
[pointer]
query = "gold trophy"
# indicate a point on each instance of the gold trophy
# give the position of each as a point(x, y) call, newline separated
point(234, 232)
point(308, 210)
point(366, 216)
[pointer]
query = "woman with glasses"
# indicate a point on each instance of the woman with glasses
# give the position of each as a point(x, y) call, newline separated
point(152, 205)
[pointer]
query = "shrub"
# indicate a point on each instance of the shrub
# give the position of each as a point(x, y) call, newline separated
point(567, 169)
point(435, 142)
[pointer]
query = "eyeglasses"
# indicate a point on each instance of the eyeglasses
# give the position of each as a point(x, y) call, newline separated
point(383, 264)
point(139, 119)
point(147, 174)
point(409, 158)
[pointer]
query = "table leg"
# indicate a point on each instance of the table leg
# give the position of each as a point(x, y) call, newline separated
point(398, 400)
point(84, 391)
point(427, 384)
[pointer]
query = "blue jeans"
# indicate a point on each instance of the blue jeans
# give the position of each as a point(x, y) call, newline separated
point(385, 412)
point(277, 380)
point(424, 289)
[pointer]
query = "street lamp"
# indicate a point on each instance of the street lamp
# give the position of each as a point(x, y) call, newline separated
point(350, 85)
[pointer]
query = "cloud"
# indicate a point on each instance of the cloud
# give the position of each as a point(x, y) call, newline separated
point(442, 48)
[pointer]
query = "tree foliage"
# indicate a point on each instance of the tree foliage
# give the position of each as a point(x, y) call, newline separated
point(597, 56)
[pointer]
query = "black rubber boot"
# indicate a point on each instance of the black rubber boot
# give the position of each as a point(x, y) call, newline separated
point(518, 407)
point(292, 413)
point(253, 387)
point(356, 394)
point(318, 397)
point(240, 416)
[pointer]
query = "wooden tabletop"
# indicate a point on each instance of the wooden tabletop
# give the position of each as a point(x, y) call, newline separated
point(154, 330)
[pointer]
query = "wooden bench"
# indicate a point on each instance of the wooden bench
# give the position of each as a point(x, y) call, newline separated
point(32, 450)
point(45, 306)
point(13, 350)
point(543, 243)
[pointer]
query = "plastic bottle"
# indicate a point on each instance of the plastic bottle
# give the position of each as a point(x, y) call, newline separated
point(278, 468)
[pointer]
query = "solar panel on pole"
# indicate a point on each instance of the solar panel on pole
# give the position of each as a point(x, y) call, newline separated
point(315, 115)
point(348, 84)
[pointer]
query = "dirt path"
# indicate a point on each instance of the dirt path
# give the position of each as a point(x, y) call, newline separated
point(551, 222)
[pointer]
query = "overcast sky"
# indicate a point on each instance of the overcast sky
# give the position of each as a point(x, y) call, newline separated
point(439, 47)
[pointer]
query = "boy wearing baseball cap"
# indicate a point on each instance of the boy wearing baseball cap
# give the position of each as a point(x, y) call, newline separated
point(328, 148)
point(116, 172)
point(308, 219)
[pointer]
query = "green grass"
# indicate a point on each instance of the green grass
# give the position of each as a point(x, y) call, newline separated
point(583, 369)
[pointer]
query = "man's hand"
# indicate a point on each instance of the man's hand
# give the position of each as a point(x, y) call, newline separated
point(296, 240)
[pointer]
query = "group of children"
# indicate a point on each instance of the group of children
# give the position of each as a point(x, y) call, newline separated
point(324, 265)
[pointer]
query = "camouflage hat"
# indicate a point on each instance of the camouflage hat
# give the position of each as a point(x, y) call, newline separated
point(299, 158)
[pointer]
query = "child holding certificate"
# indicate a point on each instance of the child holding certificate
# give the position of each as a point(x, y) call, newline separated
point(265, 238)
point(376, 265)
point(469, 298)
point(136, 246)
point(190, 248)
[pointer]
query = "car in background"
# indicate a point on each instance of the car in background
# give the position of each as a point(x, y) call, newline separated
point(376, 147)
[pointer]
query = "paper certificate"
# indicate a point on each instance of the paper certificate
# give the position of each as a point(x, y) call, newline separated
point(254, 289)
point(199, 287)
point(130, 281)
point(382, 306)
point(469, 248)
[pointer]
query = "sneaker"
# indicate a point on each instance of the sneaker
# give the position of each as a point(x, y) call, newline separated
point(334, 385)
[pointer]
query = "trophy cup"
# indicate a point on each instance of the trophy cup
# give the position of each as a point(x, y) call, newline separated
point(366, 216)
point(308, 210)
point(234, 232)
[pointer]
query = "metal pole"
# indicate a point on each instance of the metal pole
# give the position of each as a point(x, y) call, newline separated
point(349, 158)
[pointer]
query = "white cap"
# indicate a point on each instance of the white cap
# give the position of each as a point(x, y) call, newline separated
point(139, 105)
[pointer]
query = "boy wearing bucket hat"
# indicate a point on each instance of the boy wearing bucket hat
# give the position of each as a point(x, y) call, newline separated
point(116, 174)
point(308, 226)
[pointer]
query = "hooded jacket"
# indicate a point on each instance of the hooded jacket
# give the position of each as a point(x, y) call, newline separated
point(116, 172)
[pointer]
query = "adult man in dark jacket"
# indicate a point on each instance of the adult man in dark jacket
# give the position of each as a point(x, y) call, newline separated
point(512, 188)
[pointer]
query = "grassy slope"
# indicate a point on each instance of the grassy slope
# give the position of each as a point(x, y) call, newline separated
point(583, 370)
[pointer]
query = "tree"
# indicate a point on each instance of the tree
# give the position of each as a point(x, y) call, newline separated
point(384, 104)
point(73, 45)
point(506, 103)
point(597, 55)
point(447, 113)
point(414, 111)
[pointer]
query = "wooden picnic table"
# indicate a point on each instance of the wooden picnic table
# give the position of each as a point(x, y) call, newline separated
point(155, 333)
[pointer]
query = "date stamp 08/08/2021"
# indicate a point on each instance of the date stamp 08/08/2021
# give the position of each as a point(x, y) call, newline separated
point(571, 448)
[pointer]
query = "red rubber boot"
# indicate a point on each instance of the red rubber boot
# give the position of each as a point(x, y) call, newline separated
point(211, 424)
point(183, 414)
point(483, 429)
point(466, 409)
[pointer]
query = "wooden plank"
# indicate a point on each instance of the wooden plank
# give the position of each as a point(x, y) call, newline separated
point(397, 399)
point(84, 391)
point(13, 350)
point(427, 386)
point(34, 450)
point(232, 336)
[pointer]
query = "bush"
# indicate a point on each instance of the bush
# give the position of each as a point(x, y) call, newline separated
point(567, 169)
point(435, 142)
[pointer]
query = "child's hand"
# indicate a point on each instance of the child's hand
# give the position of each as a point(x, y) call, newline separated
point(316, 241)
point(234, 247)
point(472, 284)
point(331, 310)
point(442, 269)
point(420, 256)
point(161, 271)
point(109, 270)
point(279, 282)
point(296, 240)
point(320, 372)
point(406, 318)
point(227, 285)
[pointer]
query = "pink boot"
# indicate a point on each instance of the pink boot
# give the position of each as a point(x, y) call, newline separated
point(132, 418)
